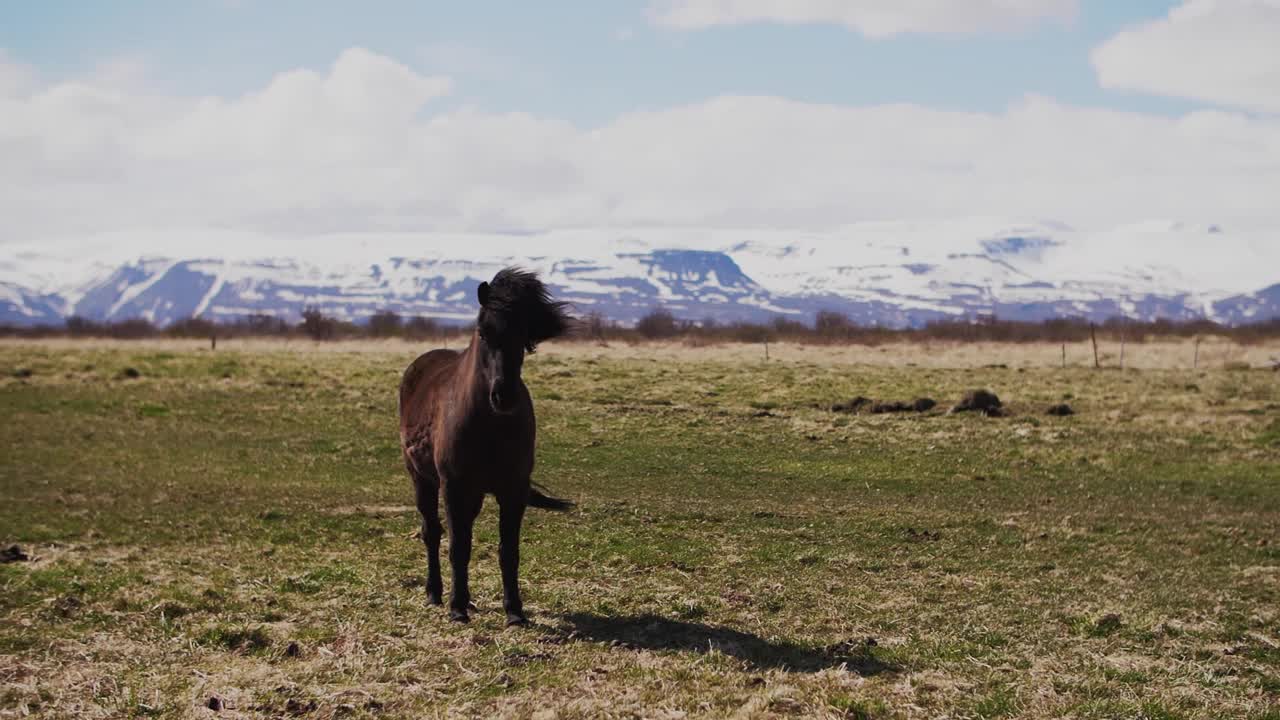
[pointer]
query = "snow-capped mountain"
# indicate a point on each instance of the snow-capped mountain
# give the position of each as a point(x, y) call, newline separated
point(886, 273)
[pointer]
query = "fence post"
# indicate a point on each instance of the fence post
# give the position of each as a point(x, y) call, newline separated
point(1093, 335)
point(1123, 325)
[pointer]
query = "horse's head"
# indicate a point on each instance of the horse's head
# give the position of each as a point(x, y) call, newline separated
point(516, 313)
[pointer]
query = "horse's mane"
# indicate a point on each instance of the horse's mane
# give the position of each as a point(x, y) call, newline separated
point(514, 290)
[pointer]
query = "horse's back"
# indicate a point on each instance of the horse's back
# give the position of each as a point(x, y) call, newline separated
point(429, 370)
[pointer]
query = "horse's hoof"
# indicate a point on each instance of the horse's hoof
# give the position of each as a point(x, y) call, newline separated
point(516, 620)
point(459, 616)
point(434, 599)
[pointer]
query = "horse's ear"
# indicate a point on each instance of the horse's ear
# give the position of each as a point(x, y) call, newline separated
point(482, 293)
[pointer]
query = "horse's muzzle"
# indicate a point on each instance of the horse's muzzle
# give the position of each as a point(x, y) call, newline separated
point(502, 402)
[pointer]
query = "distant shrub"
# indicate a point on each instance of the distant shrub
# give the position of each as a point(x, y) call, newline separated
point(830, 324)
point(192, 327)
point(827, 326)
point(385, 324)
point(749, 333)
point(316, 326)
point(131, 329)
point(421, 328)
point(79, 326)
point(261, 324)
point(593, 326)
point(657, 324)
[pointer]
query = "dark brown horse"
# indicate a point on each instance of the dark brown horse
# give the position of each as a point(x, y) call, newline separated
point(467, 429)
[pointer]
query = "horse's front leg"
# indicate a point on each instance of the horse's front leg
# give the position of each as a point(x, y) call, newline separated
point(461, 509)
point(510, 516)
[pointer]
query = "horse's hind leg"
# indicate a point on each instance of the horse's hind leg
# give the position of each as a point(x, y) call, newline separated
point(426, 486)
point(461, 509)
point(510, 516)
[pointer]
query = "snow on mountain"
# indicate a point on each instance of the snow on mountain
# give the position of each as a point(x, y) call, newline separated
point(1252, 307)
point(20, 306)
point(889, 273)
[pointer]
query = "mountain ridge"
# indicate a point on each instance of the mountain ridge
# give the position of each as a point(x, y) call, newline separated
point(887, 274)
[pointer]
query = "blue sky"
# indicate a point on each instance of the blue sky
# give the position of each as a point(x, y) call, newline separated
point(582, 61)
point(305, 118)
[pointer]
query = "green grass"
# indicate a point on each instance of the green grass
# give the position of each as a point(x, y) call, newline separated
point(240, 525)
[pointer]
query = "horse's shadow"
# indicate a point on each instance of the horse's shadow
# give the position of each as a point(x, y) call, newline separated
point(651, 632)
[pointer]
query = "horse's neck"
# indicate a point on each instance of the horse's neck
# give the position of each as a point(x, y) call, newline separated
point(472, 391)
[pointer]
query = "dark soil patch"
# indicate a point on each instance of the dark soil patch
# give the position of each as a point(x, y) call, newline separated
point(879, 407)
point(983, 401)
point(853, 406)
point(894, 406)
point(13, 553)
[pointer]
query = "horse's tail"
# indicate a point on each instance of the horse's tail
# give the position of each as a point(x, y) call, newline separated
point(539, 499)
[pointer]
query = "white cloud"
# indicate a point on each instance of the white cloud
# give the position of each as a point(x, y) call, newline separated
point(873, 18)
point(1225, 52)
point(359, 148)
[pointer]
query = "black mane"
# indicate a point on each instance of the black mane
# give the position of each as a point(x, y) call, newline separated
point(515, 291)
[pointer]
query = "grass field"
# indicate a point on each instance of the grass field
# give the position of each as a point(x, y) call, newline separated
point(234, 528)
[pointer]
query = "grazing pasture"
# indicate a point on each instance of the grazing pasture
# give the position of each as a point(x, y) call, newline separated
point(232, 534)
